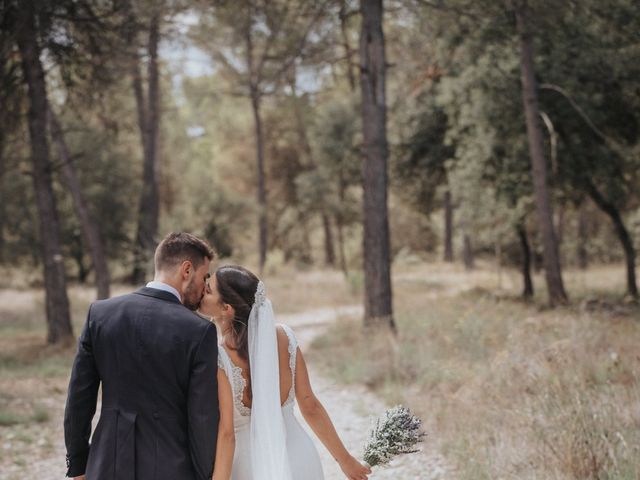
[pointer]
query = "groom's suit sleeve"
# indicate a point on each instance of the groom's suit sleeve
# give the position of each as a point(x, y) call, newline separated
point(202, 404)
point(81, 404)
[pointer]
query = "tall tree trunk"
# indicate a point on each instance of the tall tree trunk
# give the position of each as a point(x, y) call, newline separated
point(256, 97)
point(378, 309)
point(306, 255)
point(467, 252)
point(340, 224)
point(57, 302)
point(83, 270)
point(553, 275)
point(343, 15)
point(560, 231)
point(623, 235)
point(342, 188)
point(497, 248)
point(527, 282)
point(448, 227)
point(583, 257)
point(3, 210)
point(149, 123)
point(89, 228)
point(262, 191)
point(329, 252)
point(341, 246)
point(77, 253)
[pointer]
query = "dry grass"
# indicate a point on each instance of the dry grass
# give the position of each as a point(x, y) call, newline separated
point(508, 390)
point(293, 291)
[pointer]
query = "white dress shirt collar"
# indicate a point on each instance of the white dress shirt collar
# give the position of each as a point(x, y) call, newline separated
point(165, 287)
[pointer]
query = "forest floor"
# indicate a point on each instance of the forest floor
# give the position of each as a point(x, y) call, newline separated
point(465, 360)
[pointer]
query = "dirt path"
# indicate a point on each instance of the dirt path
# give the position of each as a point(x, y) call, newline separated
point(351, 408)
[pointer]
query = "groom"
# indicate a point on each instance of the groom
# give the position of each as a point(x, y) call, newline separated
point(157, 363)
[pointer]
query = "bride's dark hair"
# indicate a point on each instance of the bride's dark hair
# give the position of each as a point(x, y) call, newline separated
point(237, 286)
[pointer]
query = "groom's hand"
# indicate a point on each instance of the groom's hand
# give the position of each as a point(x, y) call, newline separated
point(81, 477)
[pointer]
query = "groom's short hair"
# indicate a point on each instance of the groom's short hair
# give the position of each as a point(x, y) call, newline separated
point(177, 247)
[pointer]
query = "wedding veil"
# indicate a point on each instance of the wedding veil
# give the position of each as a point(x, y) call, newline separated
point(269, 459)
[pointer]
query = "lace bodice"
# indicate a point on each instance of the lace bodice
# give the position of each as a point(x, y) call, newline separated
point(238, 382)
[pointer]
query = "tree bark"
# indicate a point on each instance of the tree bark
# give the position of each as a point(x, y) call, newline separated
point(77, 253)
point(329, 252)
point(377, 256)
point(89, 228)
point(623, 235)
point(497, 248)
point(262, 191)
point(553, 275)
point(148, 123)
point(347, 46)
point(342, 188)
point(306, 256)
point(255, 96)
point(448, 227)
point(57, 302)
point(560, 226)
point(8, 114)
point(583, 257)
point(467, 253)
point(341, 246)
point(527, 282)
point(3, 210)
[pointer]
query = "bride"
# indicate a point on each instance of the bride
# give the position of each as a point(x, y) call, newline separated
point(261, 373)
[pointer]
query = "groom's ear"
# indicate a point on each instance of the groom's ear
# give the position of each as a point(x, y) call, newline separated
point(186, 269)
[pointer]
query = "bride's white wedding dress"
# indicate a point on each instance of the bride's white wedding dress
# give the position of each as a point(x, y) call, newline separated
point(304, 462)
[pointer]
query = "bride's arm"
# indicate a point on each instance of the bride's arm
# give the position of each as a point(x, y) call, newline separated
point(318, 419)
point(226, 435)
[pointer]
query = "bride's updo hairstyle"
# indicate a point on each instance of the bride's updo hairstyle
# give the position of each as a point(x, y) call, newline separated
point(237, 287)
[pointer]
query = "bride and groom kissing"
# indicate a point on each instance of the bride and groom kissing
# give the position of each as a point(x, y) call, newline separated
point(198, 382)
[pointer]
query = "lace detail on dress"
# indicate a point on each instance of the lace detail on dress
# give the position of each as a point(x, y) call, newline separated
point(238, 382)
point(293, 347)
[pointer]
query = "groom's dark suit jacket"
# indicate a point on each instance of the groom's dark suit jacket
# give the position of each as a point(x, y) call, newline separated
point(157, 362)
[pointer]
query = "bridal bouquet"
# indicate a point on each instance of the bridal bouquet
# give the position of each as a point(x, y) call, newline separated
point(396, 432)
